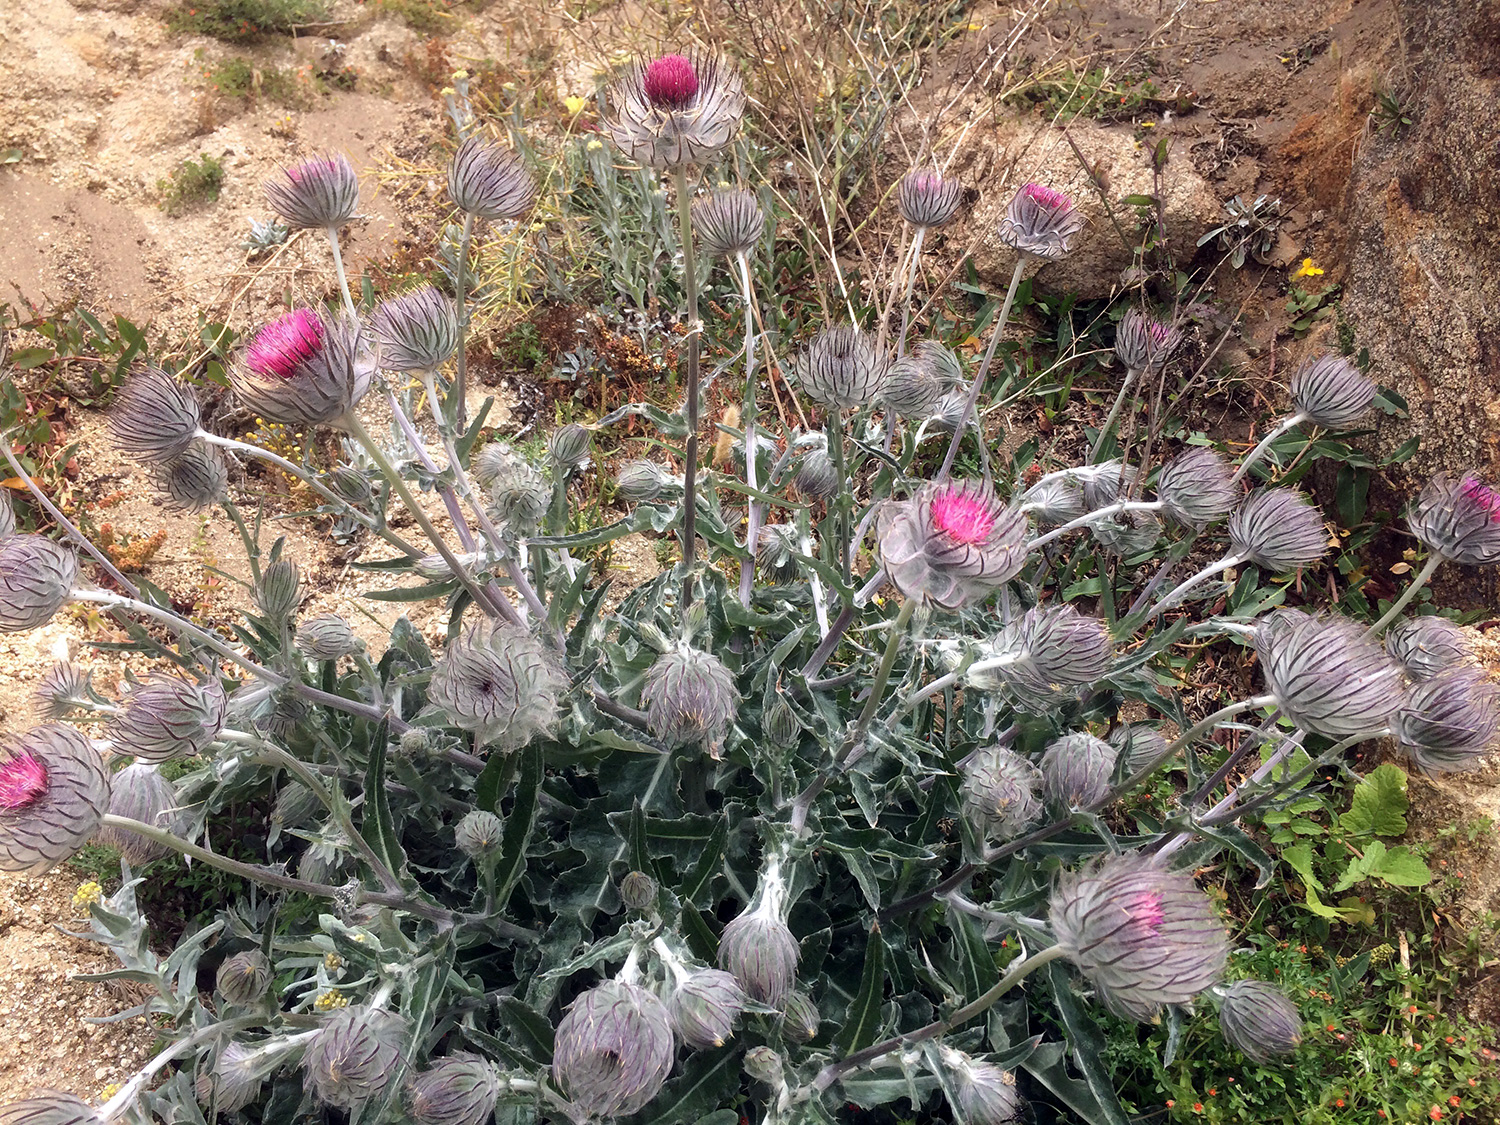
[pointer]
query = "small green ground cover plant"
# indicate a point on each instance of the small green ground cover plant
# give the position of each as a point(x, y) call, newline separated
point(192, 184)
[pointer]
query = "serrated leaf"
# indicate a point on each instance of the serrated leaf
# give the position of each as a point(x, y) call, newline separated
point(378, 827)
point(518, 826)
point(535, 1029)
point(1088, 1049)
point(1300, 860)
point(707, 865)
point(1379, 804)
point(862, 1020)
point(709, 1082)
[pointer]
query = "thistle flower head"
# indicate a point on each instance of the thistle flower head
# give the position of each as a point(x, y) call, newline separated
point(489, 181)
point(279, 591)
point(518, 493)
point(1076, 770)
point(355, 1055)
point(1041, 222)
point(168, 717)
point(1197, 488)
point(918, 380)
point(1448, 722)
point(842, 367)
point(1259, 1021)
point(952, 543)
point(64, 688)
point(458, 1089)
point(639, 481)
point(327, 637)
point(1427, 646)
point(321, 193)
point(234, 1081)
point(982, 1093)
point(674, 110)
point(1331, 392)
point(1144, 936)
point(761, 952)
point(1000, 793)
point(1055, 501)
point(613, 1049)
point(139, 792)
point(1065, 648)
point(49, 1109)
point(306, 368)
point(1144, 343)
point(691, 698)
point(776, 551)
point(1106, 482)
point(1327, 674)
point(638, 891)
point(53, 790)
point(1459, 519)
point(817, 477)
point(568, 447)
point(417, 331)
point(705, 1006)
point(927, 199)
point(500, 683)
point(244, 978)
point(729, 223)
point(1278, 529)
point(155, 417)
point(195, 479)
point(952, 410)
point(1139, 743)
point(36, 577)
point(799, 1017)
point(478, 834)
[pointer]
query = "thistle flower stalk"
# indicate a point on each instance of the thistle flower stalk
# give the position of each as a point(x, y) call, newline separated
point(695, 329)
point(1434, 561)
point(1131, 376)
point(757, 507)
point(1264, 445)
point(984, 369)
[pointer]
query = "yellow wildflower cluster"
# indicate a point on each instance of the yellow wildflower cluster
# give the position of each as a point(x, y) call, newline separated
point(330, 1000)
point(87, 894)
point(109, 1091)
point(332, 962)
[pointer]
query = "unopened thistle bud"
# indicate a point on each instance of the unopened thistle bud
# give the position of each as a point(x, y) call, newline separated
point(318, 194)
point(1143, 343)
point(800, 1017)
point(779, 723)
point(351, 484)
point(478, 834)
point(568, 447)
point(613, 1049)
point(705, 1005)
point(1145, 936)
point(1259, 1021)
point(306, 368)
point(1427, 646)
point(168, 716)
point(729, 223)
point(53, 790)
point(776, 551)
point(63, 689)
point(234, 1081)
point(155, 417)
point(49, 1109)
point(1106, 482)
point(638, 891)
point(1041, 222)
point(761, 953)
point(355, 1054)
point(500, 683)
point(952, 543)
point(139, 792)
point(982, 1093)
point(1000, 793)
point(489, 181)
point(518, 493)
point(674, 110)
point(691, 698)
point(244, 978)
point(1330, 391)
point(279, 591)
point(1139, 743)
point(1328, 675)
point(36, 577)
point(1459, 520)
point(1197, 488)
point(1056, 501)
point(195, 479)
point(327, 637)
point(458, 1089)
point(918, 380)
point(927, 199)
point(765, 1065)
point(817, 478)
point(639, 481)
point(1449, 722)
point(842, 368)
point(415, 742)
point(1076, 771)
point(1278, 529)
point(417, 331)
point(1064, 648)
point(1128, 534)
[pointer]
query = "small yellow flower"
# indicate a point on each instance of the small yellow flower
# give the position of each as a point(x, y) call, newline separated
point(575, 105)
point(596, 143)
point(87, 894)
point(109, 1091)
point(460, 75)
point(330, 1000)
point(1309, 268)
point(332, 962)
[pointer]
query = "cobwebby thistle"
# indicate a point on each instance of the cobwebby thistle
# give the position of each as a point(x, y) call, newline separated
point(1278, 529)
point(64, 688)
point(952, 543)
point(1329, 391)
point(568, 447)
point(691, 698)
point(306, 368)
point(195, 479)
point(1197, 488)
point(36, 577)
point(278, 594)
point(817, 476)
point(499, 683)
point(1000, 793)
point(982, 1093)
point(517, 492)
point(1139, 743)
point(842, 367)
point(799, 1017)
point(638, 891)
point(613, 1049)
point(928, 200)
point(418, 331)
point(244, 978)
point(53, 791)
point(327, 637)
point(139, 792)
point(1076, 770)
point(478, 834)
point(1427, 646)
point(1459, 520)
point(917, 381)
point(489, 181)
point(458, 1089)
point(155, 417)
point(1447, 723)
point(318, 194)
point(49, 1109)
point(1143, 935)
point(1041, 222)
point(674, 110)
point(758, 948)
point(168, 716)
point(1328, 675)
point(1143, 343)
point(235, 1079)
point(1259, 1021)
point(355, 1055)
point(639, 481)
point(705, 1004)
point(1064, 648)
point(729, 223)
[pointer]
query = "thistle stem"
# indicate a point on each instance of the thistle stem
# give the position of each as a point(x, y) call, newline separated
point(695, 330)
point(911, 284)
point(757, 507)
point(1265, 444)
point(132, 1089)
point(1093, 517)
point(338, 268)
point(1433, 562)
point(845, 497)
point(984, 370)
point(1114, 412)
point(1172, 596)
point(461, 359)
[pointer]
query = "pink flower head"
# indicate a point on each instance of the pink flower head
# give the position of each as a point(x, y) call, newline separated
point(962, 515)
point(285, 344)
point(314, 169)
point(1459, 519)
point(671, 82)
point(22, 780)
point(1050, 198)
point(1041, 222)
point(928, 200)
point(1143, 908)
point(1481, 494)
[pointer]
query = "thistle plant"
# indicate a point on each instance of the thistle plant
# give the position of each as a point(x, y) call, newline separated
point(574, 859)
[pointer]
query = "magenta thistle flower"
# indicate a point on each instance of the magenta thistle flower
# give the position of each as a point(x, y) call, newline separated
point(1278, 529)
point(1041, 222)
point(1330, 391)
point(927, 199)
point(36, 577)
point(670, 82)
point(951, 544)
point(1145, 936)
point(1446, 724)
point(613, 1049)
point(168, 717)
point(1144, 343)
point(156, 417)
point(321, 193)
point(1259, 1021)
point(489, 181)
point(306, 368)
point(1327, 674)
point(675, 110)
point(53, 790)
point(1427, 646)
point(1459, 519)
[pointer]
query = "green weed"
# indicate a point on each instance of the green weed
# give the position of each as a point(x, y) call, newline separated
point(193, 183)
